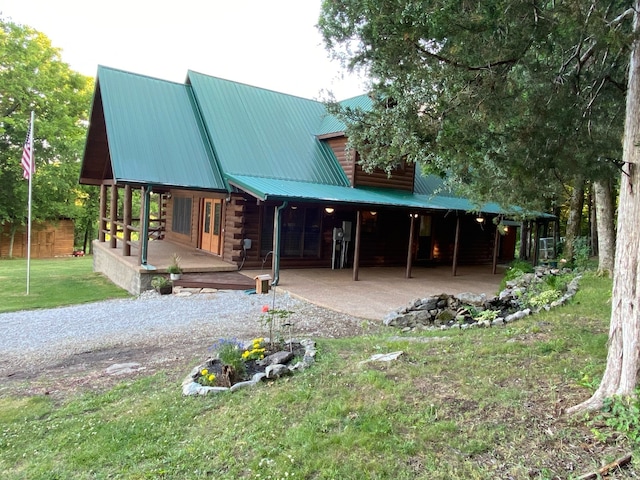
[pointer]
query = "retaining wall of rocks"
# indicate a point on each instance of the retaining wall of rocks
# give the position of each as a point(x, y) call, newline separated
point(465, 310)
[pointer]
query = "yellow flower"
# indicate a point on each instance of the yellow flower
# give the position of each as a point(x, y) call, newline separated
point(211, 377)
point(204, 372)
point(245, 354)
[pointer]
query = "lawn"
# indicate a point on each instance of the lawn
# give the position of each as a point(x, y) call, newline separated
point(53, 283)
point(472, 404)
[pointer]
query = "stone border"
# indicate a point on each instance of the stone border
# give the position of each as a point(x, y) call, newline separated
point(443, 312)
point(190, 387)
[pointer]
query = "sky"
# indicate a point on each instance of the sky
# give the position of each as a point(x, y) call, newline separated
point(272, 44)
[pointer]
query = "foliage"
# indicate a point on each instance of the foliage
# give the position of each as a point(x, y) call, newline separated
point(486, 315)
point(274, 319)
point(621, 414)
point(257, 350)
point(53, 282)
point(159, 282)
point(498, 97)
point(516, 269)
point(229, 351)
point(175, 264)
point(543, 298)
point(581, 252)
point(34, 78)
point(206, 378)
point(339, 419)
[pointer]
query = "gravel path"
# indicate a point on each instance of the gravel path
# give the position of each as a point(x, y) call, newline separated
point(148, 327)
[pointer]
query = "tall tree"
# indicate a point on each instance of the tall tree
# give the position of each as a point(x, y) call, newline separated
point(623, 357)
point(33, 77)
point(508, 99)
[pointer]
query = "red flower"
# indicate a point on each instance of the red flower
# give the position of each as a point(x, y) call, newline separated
point(265, 308)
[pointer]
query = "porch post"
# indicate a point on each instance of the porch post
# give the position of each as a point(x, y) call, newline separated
point(410, 250)
point(144, 234)
point(126, 234)
point(102, 224)
point(496, 244)
point(454, 269)
point(113, 217)
point(356, 247)
point(275, 268)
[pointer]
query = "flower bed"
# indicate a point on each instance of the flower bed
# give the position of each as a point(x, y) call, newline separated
point(238, 365)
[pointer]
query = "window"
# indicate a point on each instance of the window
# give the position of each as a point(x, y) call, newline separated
point(181, 221)
point(300, 232)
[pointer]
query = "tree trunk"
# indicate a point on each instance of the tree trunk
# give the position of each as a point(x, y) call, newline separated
point(12, 238)
point(620, 374)
point(604, 222)
point(574, 221)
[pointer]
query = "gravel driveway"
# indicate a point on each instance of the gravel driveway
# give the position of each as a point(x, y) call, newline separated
point(153, 330)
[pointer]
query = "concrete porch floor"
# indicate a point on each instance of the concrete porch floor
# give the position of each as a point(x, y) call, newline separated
point(382, 290)
point(377, 292)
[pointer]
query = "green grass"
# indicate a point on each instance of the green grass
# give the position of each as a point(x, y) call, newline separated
point(53, 283)
point(476, 404)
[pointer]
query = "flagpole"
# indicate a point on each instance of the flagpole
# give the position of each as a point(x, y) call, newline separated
point(33, 159)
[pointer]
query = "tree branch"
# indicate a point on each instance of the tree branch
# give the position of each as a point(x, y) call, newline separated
point(453, 63)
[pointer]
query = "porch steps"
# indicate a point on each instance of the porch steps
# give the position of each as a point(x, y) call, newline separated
point(218, 280)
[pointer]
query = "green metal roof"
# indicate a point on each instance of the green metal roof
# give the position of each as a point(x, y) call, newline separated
point(263, 133)
point(275, 189)
point(154, 132)
point(330, 124)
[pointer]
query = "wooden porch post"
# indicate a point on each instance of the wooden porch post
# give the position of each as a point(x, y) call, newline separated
point(496, 244)
point(356, 247)
point(144, 230)
point(126, 238)
point(113, 217)
point(410, 251)
point(102, 224)
point(454, 270)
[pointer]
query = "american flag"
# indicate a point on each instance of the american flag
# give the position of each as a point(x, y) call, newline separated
point(28, 166)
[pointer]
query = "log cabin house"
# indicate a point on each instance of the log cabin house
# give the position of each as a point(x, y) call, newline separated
point(259, 178)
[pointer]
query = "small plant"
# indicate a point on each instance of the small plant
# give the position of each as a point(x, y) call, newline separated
point(206, 378)
point(229, 351)
point(516, 269)
point(175, 265)
point(543, 298)
point(256, 352)
point(274, 320)
point(158, 282)
point(581, 252)
point(622, 414)
point(486, 315)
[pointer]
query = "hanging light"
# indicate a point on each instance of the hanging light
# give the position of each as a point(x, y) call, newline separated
point(373, 214)
point(329, 210)
point(480, 219)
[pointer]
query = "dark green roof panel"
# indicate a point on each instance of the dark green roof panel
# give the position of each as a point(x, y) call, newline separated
point(155, 134)
point(263, 133)
point(330, 124)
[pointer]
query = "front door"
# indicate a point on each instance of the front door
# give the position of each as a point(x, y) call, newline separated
point(211, 222)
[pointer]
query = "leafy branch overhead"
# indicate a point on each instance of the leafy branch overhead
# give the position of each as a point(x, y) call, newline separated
point(501, 97)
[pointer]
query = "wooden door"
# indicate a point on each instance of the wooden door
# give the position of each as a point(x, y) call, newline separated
point(211, 225)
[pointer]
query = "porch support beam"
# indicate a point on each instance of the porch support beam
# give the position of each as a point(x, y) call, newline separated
point(356, 247)
point(410, 249)
point(113, 217)
point(126, 237)
point(454, 267)
point(275, 269)
point(102, 224)
point(496, 245)
point(144, 234)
